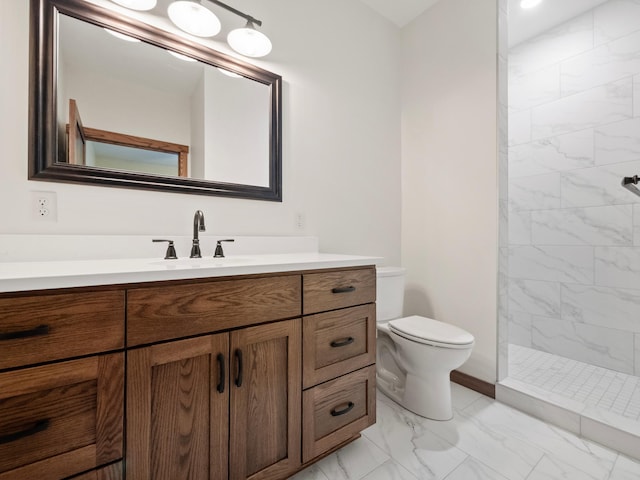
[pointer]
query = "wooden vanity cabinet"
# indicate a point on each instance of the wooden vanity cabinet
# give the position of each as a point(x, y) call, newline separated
point(217, 406)
point(243, 378)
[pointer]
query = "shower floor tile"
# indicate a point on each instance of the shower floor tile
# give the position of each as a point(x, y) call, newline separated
point(594, 387)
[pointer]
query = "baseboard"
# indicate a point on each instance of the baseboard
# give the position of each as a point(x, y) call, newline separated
point(473, 383)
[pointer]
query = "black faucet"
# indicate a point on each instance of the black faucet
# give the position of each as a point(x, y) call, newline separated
point(198, 226)
point(219, 253)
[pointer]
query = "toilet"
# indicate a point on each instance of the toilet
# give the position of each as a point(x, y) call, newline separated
point(415, 354)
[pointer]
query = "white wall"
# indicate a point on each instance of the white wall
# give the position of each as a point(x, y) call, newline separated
point(341, 135)
point(449, 171)
point(126, 107)
point(236, 121)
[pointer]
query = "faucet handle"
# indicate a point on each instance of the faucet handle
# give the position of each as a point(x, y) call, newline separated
point(219, 253)
point(171, 250)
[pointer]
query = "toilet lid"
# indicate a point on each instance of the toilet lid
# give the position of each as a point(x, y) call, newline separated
point(427, 330)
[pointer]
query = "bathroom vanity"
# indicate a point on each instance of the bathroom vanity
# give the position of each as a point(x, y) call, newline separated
point(185, 370)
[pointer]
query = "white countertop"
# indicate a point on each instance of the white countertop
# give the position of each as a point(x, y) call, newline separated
point(23, 276)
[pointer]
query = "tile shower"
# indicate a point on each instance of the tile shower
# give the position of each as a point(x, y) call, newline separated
point(573, 232)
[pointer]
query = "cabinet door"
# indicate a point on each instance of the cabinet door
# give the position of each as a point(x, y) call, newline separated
point(177, 410)
point(265, 401)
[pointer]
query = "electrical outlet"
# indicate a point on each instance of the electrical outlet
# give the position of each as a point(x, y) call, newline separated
point(299, 222)
point(44, 206)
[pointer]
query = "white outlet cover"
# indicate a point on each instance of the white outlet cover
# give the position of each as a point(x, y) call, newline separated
point(44, 206)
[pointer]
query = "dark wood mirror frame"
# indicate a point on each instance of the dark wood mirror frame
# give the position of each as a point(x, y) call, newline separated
point(44, 147)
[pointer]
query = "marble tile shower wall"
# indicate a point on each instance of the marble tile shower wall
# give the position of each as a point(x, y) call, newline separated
point(574, 232)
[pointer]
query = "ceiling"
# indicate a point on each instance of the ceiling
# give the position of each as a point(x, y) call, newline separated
point(400, 12)
point(523, 24)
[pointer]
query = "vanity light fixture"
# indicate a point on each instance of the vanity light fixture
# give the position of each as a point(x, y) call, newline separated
point(194, 18)
point(526, 4)
point(248, 41)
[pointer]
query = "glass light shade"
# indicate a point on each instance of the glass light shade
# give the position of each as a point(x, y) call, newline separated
point(137, 4)
point(249, 42)
point(193, 18)
point(529, 3)
point(122, 36)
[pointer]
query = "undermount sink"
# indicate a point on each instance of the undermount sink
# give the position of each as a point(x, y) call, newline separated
point(205, 262)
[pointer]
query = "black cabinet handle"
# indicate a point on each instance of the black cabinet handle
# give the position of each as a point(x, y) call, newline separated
point(343, 289)
point(238, 354)
point(34, 332)
point(39, 426)
point(337, 413)
point(342, 343)
point(220, 387)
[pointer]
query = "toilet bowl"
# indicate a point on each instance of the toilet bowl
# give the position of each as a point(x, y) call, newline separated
point(415, 354)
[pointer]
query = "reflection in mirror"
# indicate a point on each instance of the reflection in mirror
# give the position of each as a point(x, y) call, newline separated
point(128, 113)
point(118, 83)
point(100, 148)
point(120, 157)
point(77, 142)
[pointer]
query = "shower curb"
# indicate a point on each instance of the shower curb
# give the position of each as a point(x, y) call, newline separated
point(605, 428)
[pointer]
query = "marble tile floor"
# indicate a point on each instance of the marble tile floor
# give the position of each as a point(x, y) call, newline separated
point(486, 440)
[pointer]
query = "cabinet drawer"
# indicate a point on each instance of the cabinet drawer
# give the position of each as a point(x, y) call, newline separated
point(42, 328)
point(61, 419)
point(332, 290)
point(164, 313)
point(337, 410)
point(338, 342)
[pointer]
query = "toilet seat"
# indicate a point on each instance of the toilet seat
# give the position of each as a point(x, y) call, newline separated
point(431, 332)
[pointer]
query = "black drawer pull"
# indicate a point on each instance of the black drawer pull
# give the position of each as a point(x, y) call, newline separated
point(343, 289)
point(342, 343)
point(39, 426)
point(238, 354)
point(337, 413)
point(220, 386)
point(34, 332)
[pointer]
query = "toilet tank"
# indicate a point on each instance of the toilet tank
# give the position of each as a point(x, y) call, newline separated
point(389, 293)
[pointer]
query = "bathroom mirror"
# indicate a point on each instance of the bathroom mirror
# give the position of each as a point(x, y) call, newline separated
point(163, 112)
